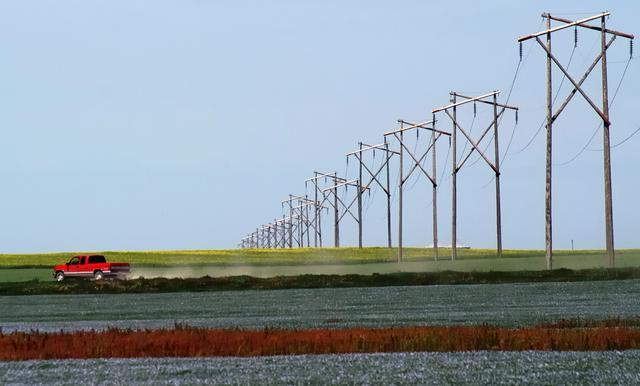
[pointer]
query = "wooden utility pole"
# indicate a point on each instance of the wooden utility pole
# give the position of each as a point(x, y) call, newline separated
point(434, 194)
point(608, 201)
point(416, 166)
point(326, 198)
point(401, 184)
point(316, 218)
point(603, 114)
point(497, 164)
point(388, 191)
point(373, 176)
point(454, 184)
point(336, 214)
point(548, 213)
point(475, 147)
point(360, 200)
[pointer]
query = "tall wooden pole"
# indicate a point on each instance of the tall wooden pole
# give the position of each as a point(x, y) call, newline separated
point(548, 217)
point(270, 236)
point(300, 229)
point(608, 204)
point(316, 213)
point(336, 214)
point(434, 194)
point(290, 225)
point(400, 184)
point(262, 238)
point(497, 164)
point(306, 220)
point(284, 232)
point(386, 147)
point(275, 233)
point(454, 187)
point(319, 208)
point(359, 156)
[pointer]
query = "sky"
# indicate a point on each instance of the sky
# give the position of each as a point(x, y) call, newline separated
point(146, 125)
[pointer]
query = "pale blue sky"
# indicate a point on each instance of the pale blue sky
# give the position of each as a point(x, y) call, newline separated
point(183, 124)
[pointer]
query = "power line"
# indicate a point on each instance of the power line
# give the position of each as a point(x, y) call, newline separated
point(554, 101)
point(600, 124)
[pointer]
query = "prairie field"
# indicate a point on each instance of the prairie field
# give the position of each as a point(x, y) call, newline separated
point(527, 259)
point(508, 305)
point(329, 261)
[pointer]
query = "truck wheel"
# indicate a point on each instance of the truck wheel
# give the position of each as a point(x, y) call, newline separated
point(59, 276)
point(98, 275)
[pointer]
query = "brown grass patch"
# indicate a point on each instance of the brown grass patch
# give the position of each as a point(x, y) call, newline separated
point(197, 342)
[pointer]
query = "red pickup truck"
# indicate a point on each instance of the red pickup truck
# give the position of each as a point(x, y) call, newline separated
point(95, 266)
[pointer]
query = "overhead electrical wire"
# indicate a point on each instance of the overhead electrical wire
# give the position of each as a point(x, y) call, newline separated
point(552, 103)
point(613, 99)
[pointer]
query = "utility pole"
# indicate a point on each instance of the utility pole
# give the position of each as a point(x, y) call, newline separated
point(416, 165)
point(360, 202)
point(275, 233)
point(434, 192)
point(338, 202)
point(306, 216)
point(400, 196)
point(454, 184)
point(548, 217)
point(284, 232)
point(316, 220)
point(475, 147)
point(602, 113)
point(373, 176)
point(325, 198)
point(336, 215)
point(497, 176)
point(388, 191)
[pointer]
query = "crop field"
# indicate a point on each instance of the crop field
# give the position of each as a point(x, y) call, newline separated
point(467, 368)
point(257, 257)
point(271, 262)
point(496, 304)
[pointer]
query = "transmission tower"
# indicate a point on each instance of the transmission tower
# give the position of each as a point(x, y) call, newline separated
point(602, 113)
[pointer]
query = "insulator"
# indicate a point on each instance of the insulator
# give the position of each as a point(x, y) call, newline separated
point(347, 160)
point(369, 192)
point(374, 153)
point(516, 117)
point(575, 37)
point(474, 109)
point(631, 49)
point(521, 51)
point(417, 134)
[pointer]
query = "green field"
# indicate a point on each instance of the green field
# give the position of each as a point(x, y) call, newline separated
point(533, 259)
point(509, 305)
point(330, 261)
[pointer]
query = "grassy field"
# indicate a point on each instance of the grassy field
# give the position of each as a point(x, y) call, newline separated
point(344, 261)
point(271, 257)
point(507, 305)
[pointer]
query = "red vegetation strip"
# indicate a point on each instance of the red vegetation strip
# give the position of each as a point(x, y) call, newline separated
point(195, 342)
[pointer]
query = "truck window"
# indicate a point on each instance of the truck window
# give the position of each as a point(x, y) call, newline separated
point(97, 259)
point(74, 261)
point(83, 260)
